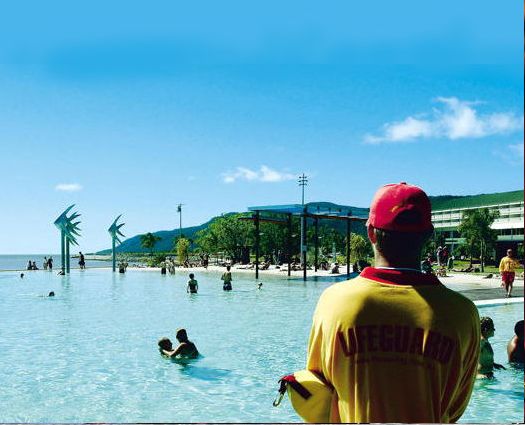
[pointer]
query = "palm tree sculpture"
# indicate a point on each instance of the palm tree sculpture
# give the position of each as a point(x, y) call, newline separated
point(68, 232)
point(114, 231)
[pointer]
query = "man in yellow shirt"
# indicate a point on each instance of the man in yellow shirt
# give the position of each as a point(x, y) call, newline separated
point(395, 344)
point(507, 269)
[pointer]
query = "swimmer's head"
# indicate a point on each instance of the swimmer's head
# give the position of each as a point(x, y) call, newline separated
point(181, 335)
point(165, 344)
point(487, 326)
point(51, 294)
point(192, 275)
point(259, 286)
point(21, 275)
point(518, 329)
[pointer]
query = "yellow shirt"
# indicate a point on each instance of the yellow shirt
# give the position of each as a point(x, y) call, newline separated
point(508, 264)
point(395, 353)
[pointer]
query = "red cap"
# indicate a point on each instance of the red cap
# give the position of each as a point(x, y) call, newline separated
point(401, 208)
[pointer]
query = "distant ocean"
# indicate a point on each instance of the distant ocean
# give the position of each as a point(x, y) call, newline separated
point(19, 262)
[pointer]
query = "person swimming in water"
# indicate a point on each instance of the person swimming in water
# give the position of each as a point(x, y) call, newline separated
point(486, 363)
point(185, 350)
point(193, 285)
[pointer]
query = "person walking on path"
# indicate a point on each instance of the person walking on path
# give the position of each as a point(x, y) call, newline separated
point(395, 344)
point(227, 279)
point(507, 269)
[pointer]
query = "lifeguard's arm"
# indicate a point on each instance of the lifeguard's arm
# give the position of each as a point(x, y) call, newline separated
point(468, 377)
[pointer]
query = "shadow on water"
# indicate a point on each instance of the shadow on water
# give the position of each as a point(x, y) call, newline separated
point(201, 372)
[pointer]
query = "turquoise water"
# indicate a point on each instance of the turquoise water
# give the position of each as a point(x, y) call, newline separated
point(90, 354)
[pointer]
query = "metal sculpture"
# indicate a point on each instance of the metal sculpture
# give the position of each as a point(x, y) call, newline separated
point(114, 231)
point(68, 231)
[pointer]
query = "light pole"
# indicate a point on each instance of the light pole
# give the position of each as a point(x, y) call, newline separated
point(303, 181)
point(179, 210)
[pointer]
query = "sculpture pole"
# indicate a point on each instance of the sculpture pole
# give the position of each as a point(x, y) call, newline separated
point(114, 231)
point(67, 257)
point(68, 232)
point(63, 251)
point(113, 254)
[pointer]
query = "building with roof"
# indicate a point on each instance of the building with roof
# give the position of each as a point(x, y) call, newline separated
point(447, 212)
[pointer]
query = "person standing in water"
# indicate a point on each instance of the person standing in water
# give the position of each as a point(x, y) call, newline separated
point(227, 279)
point(486, 353)
point(515, 347)
point(193, 285)
point(81, 261)
point(50, 264)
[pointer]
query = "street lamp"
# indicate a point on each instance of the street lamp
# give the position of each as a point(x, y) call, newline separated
point(303, 181)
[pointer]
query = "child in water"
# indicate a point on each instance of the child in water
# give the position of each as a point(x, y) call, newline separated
point(486, 356)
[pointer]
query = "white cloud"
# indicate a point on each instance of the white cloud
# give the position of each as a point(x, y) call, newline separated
point(512, 154)
point(264, 174)
point(68, 187)
point(456, 119)
point(517, 149)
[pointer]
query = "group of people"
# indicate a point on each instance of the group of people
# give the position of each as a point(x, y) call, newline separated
point(394, 344)
point(193, 286)
point(47, 264)
point(185, 350)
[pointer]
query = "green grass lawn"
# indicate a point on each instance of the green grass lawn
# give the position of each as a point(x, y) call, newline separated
point(461, 264)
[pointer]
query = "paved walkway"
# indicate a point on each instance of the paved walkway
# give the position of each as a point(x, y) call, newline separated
point(490, 293)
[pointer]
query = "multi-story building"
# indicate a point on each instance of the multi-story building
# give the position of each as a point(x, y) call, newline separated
point(447, 212)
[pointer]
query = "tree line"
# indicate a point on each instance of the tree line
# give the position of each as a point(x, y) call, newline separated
point(233, 237)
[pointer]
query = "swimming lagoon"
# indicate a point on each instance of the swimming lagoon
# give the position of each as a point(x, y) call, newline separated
point(90, 353)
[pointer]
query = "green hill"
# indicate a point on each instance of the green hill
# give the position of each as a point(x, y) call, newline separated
point(438, 203)
point(165, 244)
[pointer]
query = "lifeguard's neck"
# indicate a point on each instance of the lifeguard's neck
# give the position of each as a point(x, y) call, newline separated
point(406, 263)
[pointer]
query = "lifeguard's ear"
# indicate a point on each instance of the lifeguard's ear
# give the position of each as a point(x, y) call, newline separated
point(371, 234)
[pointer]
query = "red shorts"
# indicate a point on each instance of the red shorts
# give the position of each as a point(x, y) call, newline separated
point(508, 277)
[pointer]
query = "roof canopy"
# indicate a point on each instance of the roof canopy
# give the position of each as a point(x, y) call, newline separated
point(321, 209)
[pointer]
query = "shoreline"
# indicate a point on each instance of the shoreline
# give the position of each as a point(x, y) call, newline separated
point(452, 278)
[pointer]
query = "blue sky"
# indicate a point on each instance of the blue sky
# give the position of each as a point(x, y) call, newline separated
point(130, 110)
